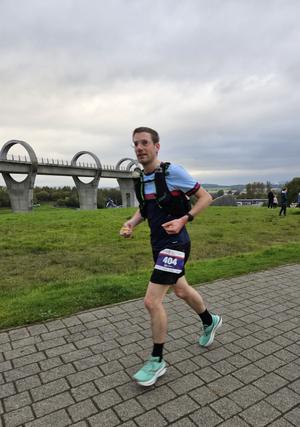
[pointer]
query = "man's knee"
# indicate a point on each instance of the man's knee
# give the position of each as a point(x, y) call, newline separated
point(151, 303)
point(182, 291)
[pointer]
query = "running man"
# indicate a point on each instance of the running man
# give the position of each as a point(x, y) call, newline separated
point(170, 244)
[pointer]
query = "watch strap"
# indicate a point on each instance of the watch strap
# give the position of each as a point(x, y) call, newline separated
point(190, 217)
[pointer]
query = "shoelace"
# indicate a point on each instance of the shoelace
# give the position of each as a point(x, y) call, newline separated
point(150, 366)
point(205, 328)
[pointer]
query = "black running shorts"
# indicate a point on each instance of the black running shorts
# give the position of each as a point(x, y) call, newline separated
point(169, 264)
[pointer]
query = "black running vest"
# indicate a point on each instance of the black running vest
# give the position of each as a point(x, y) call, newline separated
point(175, 203)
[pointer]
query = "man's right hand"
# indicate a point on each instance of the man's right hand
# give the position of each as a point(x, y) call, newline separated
point(126, 230)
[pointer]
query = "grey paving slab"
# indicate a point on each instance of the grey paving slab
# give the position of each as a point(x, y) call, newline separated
point(77, 371)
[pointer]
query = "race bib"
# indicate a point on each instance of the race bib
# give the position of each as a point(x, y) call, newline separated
point(170, 260)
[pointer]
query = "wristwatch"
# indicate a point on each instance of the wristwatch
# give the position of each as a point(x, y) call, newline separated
point(190, 217)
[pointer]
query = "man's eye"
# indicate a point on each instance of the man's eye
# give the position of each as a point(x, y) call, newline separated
point(143, 143)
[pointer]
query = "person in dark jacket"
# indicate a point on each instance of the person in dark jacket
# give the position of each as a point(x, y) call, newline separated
point(271, 199)
point(283, 201)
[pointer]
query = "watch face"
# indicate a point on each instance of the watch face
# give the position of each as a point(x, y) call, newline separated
point(190, 217)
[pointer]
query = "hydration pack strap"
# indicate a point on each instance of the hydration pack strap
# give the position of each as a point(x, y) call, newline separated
point(162, 190)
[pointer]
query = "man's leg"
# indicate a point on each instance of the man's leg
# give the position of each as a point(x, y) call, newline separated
point(154, 304)
point(211, 322)
point(155, 366)
point(184, 291)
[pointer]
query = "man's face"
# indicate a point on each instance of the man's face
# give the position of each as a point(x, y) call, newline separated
point(145, 149)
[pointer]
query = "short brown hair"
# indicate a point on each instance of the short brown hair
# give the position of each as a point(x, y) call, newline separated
point(153, 133)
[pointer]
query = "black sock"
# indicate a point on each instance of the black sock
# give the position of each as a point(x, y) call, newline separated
point(158, 351)
point(206, 318)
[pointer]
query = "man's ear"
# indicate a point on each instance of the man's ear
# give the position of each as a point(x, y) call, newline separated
point(157, 146)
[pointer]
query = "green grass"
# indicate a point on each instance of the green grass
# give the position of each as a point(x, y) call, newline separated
point(54, 262)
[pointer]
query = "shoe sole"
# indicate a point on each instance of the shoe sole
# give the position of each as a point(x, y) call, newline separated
point(212, 335)
point(159, 373)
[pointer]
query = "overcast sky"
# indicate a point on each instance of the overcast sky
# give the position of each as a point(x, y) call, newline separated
point(219, 80)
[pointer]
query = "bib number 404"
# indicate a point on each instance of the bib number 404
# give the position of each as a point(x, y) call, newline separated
point(169, 260)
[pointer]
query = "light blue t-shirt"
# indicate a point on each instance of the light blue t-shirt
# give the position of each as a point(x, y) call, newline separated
point(177, 178)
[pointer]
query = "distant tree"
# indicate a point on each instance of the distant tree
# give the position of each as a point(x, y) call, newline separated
point(219, 193)
point(255, 190)
point(249, 190)
point(41, 196)
point(268, 186)
point(293, 188)
point(60, 203)
point(4, 198)
point(72, 201)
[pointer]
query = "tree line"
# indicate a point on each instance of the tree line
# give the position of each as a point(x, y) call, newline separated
point(64, 196)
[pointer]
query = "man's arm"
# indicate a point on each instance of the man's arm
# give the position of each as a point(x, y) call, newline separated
point(204, 199)
point(128, 226)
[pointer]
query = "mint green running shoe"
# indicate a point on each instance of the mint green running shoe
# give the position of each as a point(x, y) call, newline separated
point(209, 331)
point(149, 373)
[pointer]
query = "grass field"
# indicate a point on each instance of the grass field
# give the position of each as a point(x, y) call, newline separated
point(54, 262)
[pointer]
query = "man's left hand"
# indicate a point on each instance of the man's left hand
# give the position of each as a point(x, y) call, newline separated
point(174, 226)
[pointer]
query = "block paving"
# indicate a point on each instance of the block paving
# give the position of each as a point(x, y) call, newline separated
point(77, 371)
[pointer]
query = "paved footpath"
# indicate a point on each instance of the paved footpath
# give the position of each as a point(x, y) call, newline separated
point(76, 371)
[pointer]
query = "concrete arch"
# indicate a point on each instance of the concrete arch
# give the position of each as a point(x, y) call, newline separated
point(20, 193)
point(7, 146)
point(98, 164)
point(33, 169)
point(87, 191)
point(127, 186)
point(131, 163)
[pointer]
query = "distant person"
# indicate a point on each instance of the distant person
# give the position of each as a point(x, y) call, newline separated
point(283, 201)
point(275, 201)
point(167, 218)
point(298, 200)
point(270, 199)
point(110, 204)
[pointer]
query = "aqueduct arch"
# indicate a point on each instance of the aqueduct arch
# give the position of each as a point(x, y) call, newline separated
point(87, 191)
point(126, 186)
point(20, 193)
